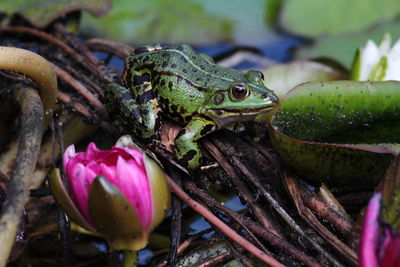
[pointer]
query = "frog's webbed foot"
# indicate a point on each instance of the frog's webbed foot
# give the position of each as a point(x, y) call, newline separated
point(186, 142)
point(149, 122)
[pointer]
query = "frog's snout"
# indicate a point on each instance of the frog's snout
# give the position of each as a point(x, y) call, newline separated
point(271, 97)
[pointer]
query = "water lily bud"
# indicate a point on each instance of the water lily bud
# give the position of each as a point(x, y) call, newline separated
point(378, 248)
point(120, 194)
point(377, 63)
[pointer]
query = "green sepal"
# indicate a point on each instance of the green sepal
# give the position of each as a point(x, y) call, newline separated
point(114, 217)
point(391, 195)
point(356, 66)
point(378, 72)
point(159, 189)
point(65, 201)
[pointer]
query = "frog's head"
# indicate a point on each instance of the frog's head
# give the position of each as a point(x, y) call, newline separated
point(242, 100)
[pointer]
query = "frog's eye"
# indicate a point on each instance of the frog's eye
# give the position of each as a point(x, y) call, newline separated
point(261, 75)
point(255, 76)
point(239, 91)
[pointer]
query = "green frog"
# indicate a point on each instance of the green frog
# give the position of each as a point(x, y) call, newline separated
point(189, 87)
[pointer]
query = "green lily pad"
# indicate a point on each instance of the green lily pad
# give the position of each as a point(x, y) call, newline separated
point(41, 13)
point(343, 47)
point(281, 78)
point(331, 17)
point(339, 132)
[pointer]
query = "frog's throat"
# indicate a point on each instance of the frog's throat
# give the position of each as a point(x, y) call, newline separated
point(223, 117)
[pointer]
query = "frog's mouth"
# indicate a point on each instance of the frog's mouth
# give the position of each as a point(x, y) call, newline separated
point(226, 116)
point(244, 111)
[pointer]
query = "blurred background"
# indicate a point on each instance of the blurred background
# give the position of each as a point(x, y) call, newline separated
point(280, 29)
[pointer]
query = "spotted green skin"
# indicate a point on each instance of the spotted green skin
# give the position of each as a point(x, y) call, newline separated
point(188, 87)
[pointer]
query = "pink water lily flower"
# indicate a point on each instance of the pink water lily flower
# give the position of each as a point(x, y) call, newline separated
point(120, 194)
point(379, 244)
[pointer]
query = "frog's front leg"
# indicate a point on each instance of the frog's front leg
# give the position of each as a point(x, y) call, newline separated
point(186, 146)
point(137, 108)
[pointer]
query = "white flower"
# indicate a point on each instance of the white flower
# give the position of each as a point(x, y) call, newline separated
point(377, 63)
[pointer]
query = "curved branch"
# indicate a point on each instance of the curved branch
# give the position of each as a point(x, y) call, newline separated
point(119, 49)
point(51, 39)
point(36, 67)
point(28, 150)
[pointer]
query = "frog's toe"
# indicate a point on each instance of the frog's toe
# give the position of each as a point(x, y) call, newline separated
point(209, 166)
point(191, 159)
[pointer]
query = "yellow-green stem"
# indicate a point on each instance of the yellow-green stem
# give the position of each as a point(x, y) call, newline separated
point(36, 67)
point(130, 258)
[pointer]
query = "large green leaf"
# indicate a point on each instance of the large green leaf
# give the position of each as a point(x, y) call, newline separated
point(330, 17)
point(339, 132)
point(168, 21)
point(42, 12)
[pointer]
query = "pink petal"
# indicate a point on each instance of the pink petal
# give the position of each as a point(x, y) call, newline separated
point(387, 239)
point(122, 166)
point(391, 250)
point(110, 158)
point(79, 181)
point(95, 154)
point(94, 166)
point(68, 154)
point(132, 180)
point(129, 153)
point(369, 239)
point(92, 152)
point(70, 165)
point(107, 171)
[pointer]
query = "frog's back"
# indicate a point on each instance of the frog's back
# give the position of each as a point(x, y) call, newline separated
point(182, 61)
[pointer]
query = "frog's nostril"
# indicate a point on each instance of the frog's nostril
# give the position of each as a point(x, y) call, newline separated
point(141, 49)
point(273, 98)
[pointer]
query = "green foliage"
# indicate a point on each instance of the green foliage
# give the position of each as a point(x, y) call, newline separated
point(331, 17)
point(343, 47)
point(272, 10)
point(40, 13)
point(339, 132)
point(168, 21)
